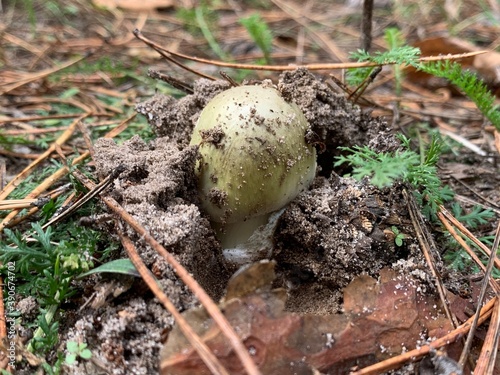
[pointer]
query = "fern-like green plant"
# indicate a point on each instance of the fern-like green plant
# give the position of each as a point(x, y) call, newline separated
point(394, 39)
point(403, 55)
point(45, 267)
point(260, 33)
point(475, 217)
point(469, 83)
point(385, 168)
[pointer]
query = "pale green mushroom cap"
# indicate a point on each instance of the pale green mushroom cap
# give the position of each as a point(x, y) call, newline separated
point(254, 156)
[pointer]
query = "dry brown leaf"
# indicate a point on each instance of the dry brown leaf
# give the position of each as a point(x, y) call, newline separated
point(488, 66)
point(381, 319)
point(497, 140)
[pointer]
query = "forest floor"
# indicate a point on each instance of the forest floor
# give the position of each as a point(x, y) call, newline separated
point(352, 277)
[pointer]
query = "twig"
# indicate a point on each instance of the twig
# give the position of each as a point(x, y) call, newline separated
point(482, 295)
point(467, 248)
point(477, 194)
point(426, 243)
point(466, 143)
point(326, 66)
point(489, 351)
point(201, 348)
point(366, 25)
point(49, 181)
point(184, 275)
point(12, 204)
point(468, 234)
point(10, 220)
point(21, 176)
point(37, 118)
point(168, 55)
point(52, 129)
point(174, 82)
point(356, 94)
point(229, 79)
point(98, 189)
point(460, 240)
point(10, 86)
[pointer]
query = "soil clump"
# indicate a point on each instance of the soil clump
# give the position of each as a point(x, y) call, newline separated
point(327, 236)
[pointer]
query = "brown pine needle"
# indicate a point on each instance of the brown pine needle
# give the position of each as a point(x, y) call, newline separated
point(489, 351)
point(14, 204)
point(11, 219)
point(466, 247)
point(27, 171)
point(482, 296)
point(9, 86)
point(325, 66)
point(201, 348)
point(468, 234)
point(428, 248)
point(415, 354)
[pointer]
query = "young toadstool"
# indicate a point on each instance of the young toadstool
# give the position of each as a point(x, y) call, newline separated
point(254, 158)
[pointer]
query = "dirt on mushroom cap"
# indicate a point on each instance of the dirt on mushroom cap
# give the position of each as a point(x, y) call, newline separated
point(261, 159)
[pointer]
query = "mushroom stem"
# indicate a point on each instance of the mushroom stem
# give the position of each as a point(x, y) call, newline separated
point(232, 234)
point(259, 246)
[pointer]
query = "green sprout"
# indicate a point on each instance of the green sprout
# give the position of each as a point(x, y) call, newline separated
point(76, 350)
point(398, 240)
point(260, 33)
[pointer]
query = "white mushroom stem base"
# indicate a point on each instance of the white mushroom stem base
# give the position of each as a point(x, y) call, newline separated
point(248, 241)
point(232, 234)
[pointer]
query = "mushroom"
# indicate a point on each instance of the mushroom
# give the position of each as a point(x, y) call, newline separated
point(254, 158)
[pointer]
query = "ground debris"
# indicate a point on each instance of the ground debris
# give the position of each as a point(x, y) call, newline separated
point(381, 319)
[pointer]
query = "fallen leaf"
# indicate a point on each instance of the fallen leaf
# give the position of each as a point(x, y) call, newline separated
point(382, 318)
point(486, 65)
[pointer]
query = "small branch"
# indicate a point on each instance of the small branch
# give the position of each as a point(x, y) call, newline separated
point(415, 354)
point(468, 234)
point(366, 25)
point(489, 351)
point(482, 296)
point(168, 55)
point(428, 247)
point(174, 82)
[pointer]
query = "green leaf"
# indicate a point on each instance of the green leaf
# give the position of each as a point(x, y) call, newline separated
point(69, 93)
point(121, 266)
point(259, 32)
point(382, 168)
point(70, 358)
point(398, 241)
point(474, 218)
point(86, 354)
